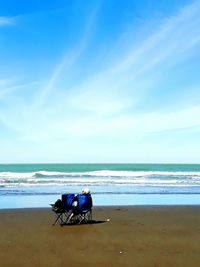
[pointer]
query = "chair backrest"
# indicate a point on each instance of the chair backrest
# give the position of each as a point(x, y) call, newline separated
point(84, 202)
point(67, 200)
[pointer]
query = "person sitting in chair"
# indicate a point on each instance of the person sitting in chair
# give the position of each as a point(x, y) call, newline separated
point(84, 191)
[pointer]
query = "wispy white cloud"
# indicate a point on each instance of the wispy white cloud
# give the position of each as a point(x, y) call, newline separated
point(173, 37)
point(5, 21)
point(69, 59)
point(8, 87)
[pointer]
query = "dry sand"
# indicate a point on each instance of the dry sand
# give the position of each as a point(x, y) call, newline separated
point(134, 236)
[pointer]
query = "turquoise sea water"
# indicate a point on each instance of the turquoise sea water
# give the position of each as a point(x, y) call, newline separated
point(37, 185)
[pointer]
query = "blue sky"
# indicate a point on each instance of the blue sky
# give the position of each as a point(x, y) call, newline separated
point(100, 81)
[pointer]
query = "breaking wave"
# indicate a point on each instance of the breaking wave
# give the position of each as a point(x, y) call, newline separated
point(100, 178)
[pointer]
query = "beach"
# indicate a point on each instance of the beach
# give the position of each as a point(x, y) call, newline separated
point(153, 236)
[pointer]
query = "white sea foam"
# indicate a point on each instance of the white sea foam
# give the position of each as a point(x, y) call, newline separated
point(18, 175)
point(102, 173)
point(98, 181)
point(100, 178)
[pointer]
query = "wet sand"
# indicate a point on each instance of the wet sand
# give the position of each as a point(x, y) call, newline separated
point(133, 236)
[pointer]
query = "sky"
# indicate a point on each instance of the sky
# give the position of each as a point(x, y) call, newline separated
point(99, 81)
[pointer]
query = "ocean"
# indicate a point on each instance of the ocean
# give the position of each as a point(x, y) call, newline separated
point(38, 185)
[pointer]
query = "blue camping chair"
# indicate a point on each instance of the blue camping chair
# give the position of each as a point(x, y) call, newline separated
point(63, 208)
point(83, 211)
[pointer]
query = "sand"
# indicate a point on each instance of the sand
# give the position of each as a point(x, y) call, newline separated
point(132, 236)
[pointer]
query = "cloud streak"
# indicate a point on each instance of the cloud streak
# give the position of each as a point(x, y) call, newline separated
point(69, 59)
point(6, 21)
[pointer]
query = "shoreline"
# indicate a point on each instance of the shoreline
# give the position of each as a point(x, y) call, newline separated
point(138, 206)
point(142, 236)
point(43, 201)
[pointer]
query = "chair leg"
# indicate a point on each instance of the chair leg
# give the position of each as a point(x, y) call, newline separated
point(81, 218)
point(59, 219)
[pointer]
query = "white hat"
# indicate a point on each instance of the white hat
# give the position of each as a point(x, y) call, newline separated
point(85, 191)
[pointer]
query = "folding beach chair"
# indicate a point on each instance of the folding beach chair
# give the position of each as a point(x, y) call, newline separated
point(83, 212)
point(63, 208)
